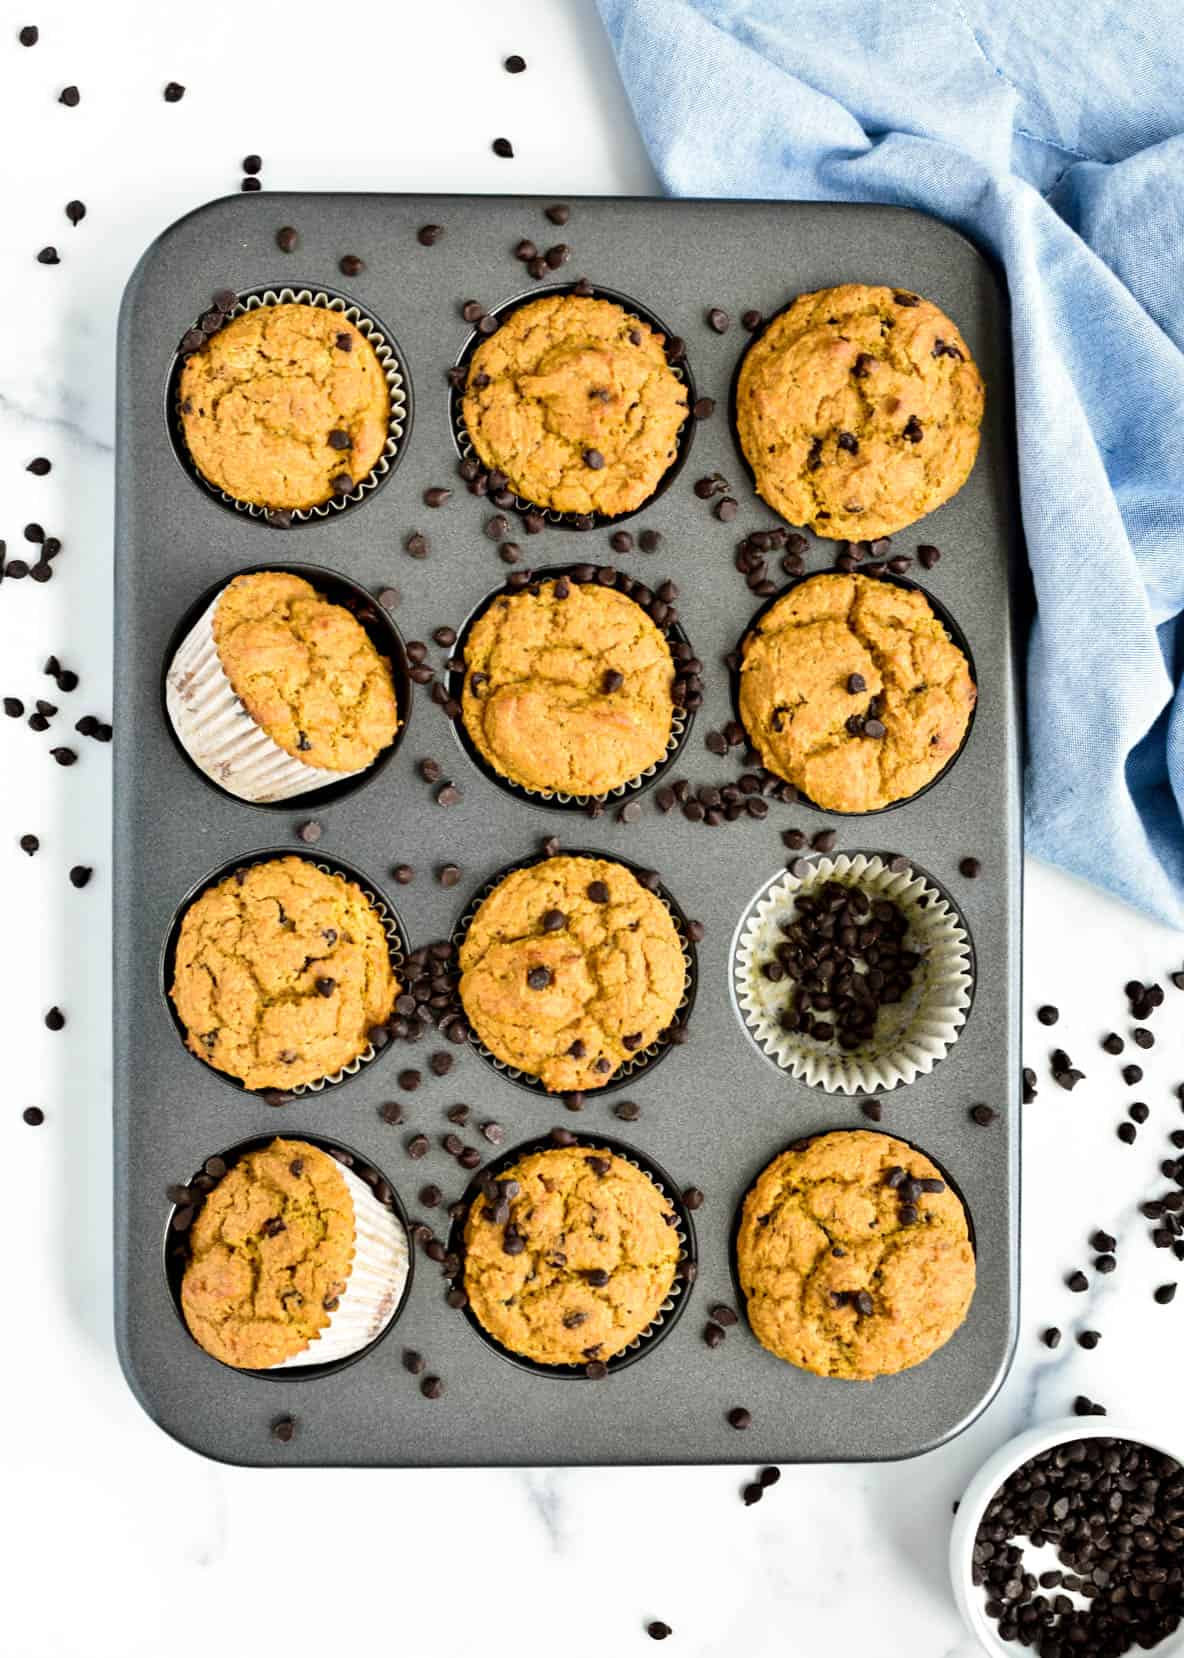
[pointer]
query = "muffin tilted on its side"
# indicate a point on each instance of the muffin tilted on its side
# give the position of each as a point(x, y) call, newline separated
point(854, 1256)
point(292, 1260)
point(851, 689)
point(571, 1256)
point(573, 400)
point(275, 690)
point(569, 969)
point(858, 410)
point(568, 688)
point(282, 974)
point(285, 406)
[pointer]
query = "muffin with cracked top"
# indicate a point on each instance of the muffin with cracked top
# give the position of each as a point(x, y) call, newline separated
point(282, 974)
point(570, 1256)
point(569, 969)
point(574, 401)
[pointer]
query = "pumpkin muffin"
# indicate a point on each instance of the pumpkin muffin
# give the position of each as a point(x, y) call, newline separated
point(285, 407)
point(851, 690)
point(571, 1256)
point(858, 410)
point(569, 969)
point(854, 1256)
point(574, 401)
point(292, 1259)
point(568, 688)
point(282, 974)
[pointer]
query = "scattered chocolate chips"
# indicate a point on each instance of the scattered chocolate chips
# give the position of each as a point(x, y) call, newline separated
point(431, 1387)
point(1165, 1293)
point(657, 1630)
point(970, 868)
point(740, 1418)
point(173, 92)
point(287, 239)
point(71, 97)
point(80, 874)
point(350, 264)
point(284, 1427)
point(982, 1115)
point(33, 1115)
point(29, 35)
point(503, 148)
point(1048, 1015)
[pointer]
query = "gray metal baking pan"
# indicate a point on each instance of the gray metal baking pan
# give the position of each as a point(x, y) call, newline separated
point(716, 1109)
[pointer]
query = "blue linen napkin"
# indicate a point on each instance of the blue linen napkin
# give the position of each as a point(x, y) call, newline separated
point(1052, 131)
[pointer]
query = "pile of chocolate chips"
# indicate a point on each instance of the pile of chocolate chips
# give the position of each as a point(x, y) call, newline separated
point(846, 954)
point(1115, 1511)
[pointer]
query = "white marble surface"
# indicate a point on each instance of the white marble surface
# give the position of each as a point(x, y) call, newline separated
point(116, 1543)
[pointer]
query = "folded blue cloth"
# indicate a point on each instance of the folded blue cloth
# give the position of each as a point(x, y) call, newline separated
point(1053, 133)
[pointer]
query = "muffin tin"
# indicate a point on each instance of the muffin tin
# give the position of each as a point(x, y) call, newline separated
point(716, 1109)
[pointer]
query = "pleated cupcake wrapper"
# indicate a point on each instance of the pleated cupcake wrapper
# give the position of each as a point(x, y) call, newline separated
point(636, 1062)
point(219, 735)
point(377, 1277)
point(928, 1019)
point(675, 1294)
point(396, 387)
point(395, 947)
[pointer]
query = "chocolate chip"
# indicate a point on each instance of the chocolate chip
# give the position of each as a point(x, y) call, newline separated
point(1048, 1015)
point(1132, 1074)
point(29, 35)
point(657, 1630)
point(287, 239)
point(740, 1418)
point(1165, 1293)
point(310, 832)
point(1077, 1281)
point(913, 432)
point(718, 320)
point(982, 1115)
point(284, 1427)
point(928, 556)
point(448, 795)
point(33, 1115)
point(503, 148)
point(693, 1198)
point(538, 978)
point(173, 92)
point(598, 892)
point(1051, 1337)
point(418, 1146)
point(431, 1387)
point(593, 459)
point(970, 868)
point(350, 264)
point(413, 1361)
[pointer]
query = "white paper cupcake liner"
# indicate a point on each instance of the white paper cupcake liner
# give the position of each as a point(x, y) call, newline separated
point(636, 1062)
point(911, 1035)
point(375, 1284)
point(219, 735)
point(396, 421)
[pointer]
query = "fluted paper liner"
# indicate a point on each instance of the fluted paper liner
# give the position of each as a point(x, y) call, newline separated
point(911, 1035)
point(219, 735)
point(374, 1288)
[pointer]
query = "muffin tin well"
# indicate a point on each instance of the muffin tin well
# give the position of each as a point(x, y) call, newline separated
point(383, 634)
point(680, 728)
point(678, 363)
point(712, 1110)
point(176, 1254)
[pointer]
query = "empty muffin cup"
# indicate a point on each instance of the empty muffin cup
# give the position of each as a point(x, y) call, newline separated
point(914, 1026)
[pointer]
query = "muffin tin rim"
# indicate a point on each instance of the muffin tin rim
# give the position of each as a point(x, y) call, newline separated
point(622, 1077)
point(633, 788)
point(180, 1249)
point(398, 949)
point(324, 512)
point(954, 633)
point(653, 1333)
point(325, 794)
point(684, 437)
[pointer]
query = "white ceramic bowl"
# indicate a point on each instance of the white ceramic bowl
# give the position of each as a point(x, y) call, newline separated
point(970, 1597)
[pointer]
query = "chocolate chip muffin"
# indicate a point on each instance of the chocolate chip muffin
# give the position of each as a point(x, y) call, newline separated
point(282, 973)
point(571, 1257)
point(574, 402)
point(568, 688)
point(291, 1259)
point(854, 1256)
point(569, 969)
point(858, 410)
point(305, 671)
point(851, 689)
point(285, 407)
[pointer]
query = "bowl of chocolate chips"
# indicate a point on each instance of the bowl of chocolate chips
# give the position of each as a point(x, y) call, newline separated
point(1070, 1541)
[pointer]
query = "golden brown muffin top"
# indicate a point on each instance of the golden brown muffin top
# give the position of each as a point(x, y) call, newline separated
point(574, 401)
point(281, 402)
point(269, 1254)
point(847, 1271)
point(570, 968)
point(851, 689)
point(568, 693)
point(573, 1264)
point(281, 973)
point(858, 410)
point(305, 670)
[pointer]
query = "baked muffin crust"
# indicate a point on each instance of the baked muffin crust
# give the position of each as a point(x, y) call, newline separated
point(568, 694)
point(574, 401)
point(569, 968)
point(858, 410)
point(835, 1281)
point(262, 397)
point(593, 1248)
point(272, 1243)
point(851, 690)
point(281, 973)
point(305, 670)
